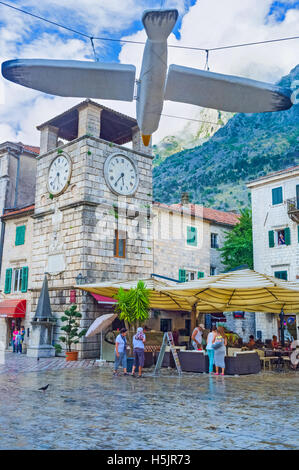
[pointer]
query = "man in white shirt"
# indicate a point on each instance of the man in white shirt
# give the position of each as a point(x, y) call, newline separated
point(121, 351)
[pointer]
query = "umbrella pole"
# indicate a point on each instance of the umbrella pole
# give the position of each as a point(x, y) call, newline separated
point(281, 317)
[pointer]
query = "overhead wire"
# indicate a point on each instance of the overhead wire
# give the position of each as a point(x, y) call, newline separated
point(128, 41)
point(101, 38)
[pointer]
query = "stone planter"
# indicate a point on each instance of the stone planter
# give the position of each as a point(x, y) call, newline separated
point(71, 355)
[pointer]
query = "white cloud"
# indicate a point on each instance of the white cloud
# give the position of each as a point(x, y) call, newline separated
point(209, 23)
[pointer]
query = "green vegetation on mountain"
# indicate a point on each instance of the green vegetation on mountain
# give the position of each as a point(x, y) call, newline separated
point(247, 147)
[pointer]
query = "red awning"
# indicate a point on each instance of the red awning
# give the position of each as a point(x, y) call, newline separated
point(103, 300)
point(13, 308)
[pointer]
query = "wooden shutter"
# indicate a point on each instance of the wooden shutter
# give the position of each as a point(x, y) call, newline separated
point(182, 275)
point(277, 196)
point(8, 276)
point(192, 236)
point(20, 235)
point(200, 274)
point(271, 238)
point(24, 284)
point(287, 235)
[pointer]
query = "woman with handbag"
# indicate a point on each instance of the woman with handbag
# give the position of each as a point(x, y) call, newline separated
point(219, 345)
point(210, 349)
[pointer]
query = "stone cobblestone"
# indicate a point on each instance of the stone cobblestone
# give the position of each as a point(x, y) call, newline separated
point(85, 407)
point(16, 364)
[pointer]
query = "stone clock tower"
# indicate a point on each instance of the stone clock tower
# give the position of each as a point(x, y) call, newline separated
point(92, 208)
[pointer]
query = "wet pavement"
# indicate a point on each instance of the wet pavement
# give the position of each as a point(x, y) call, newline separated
point(88, 408)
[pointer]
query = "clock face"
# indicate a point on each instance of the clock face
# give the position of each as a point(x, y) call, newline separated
point(121, 174)
point(59, 174)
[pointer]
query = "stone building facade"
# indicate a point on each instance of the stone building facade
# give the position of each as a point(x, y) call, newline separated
point(77, 230)
point(16, 275)
point(275, 225)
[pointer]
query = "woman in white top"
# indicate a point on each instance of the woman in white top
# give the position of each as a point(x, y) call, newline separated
point(138, 350)
point(210, 349)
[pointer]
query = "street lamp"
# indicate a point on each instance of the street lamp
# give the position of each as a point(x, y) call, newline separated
point(81, 279)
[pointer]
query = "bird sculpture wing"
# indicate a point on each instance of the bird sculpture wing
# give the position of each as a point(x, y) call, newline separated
point(73, 78)
point(224, 92)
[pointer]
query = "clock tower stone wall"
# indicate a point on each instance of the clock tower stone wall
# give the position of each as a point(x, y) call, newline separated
point(74, 232)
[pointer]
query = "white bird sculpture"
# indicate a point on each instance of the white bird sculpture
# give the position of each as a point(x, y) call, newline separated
point(156, 83)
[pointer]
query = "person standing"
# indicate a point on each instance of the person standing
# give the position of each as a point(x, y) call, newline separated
point(196, 338)
point(138, 350)
point(219, 345)
point(14, 335)
point(210, 349)
point(121, 351)
point(18, 342)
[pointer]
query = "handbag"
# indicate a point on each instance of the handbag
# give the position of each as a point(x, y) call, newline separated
point(217, 344)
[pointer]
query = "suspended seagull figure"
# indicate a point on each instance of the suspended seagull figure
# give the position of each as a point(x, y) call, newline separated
point(116, 81)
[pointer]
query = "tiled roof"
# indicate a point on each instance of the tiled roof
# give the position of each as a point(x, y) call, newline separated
point(32, 149)
point(214, 215)
point(17, 211)
point(275, 173)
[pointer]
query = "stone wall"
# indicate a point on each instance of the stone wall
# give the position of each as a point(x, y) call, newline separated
point(74, 232)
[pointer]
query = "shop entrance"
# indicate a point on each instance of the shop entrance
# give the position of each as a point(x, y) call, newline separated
point(12, 324)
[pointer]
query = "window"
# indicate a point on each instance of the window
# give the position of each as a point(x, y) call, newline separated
point(119, 244)
point(185, 275)
point(279, 237)
point(212, 270)
point(165, 324)
point(16, 280)
point(214, 240)
point(192, 236)
point(277, 195)
point(281, 275)
point(20, 235)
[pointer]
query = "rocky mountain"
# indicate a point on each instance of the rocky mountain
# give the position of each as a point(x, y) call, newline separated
point(215, 172)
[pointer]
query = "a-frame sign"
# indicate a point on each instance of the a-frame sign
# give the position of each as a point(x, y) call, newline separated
point(168, 340)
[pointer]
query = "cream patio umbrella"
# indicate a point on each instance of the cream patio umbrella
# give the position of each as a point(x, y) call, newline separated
point(243, 289)
point(158, 299)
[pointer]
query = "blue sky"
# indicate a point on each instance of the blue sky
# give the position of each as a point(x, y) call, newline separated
point(203, 23)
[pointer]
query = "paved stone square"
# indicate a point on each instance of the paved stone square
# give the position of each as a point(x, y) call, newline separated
point(85, 407)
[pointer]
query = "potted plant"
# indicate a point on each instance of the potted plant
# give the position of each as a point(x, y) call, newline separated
point(72, 331)
point(133, 308)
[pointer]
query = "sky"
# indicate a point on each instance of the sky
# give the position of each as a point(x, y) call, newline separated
point(202, 23)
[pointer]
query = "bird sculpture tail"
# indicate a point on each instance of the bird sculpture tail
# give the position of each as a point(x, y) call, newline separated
point(158, 24)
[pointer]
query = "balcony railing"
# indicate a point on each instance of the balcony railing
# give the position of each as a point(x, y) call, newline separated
point(293, 209)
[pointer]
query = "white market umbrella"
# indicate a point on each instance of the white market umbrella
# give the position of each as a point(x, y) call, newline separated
point(99, 325)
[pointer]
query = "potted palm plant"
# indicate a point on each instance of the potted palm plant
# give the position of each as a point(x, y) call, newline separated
point(133, 307)
point(73, 332)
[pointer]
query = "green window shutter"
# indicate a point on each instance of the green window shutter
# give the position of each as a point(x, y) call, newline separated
point(8, 276)
point(287, 235)
point(200, 274)
point(277, 196)
point(192, 236)
point(298, 233)
point(281, 275)
point(182, 275)
point(24, 284)
point(271, 238)
point(20, 235)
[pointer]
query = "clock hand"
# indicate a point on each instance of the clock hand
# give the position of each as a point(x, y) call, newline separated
point(121, 176)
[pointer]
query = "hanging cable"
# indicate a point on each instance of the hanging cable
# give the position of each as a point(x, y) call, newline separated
point(190, 119)
point(207, 60)
point(192, 48)
point(94, 51)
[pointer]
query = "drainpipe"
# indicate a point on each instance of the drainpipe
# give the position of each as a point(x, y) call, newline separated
point(2, 241)
point(17, 155)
